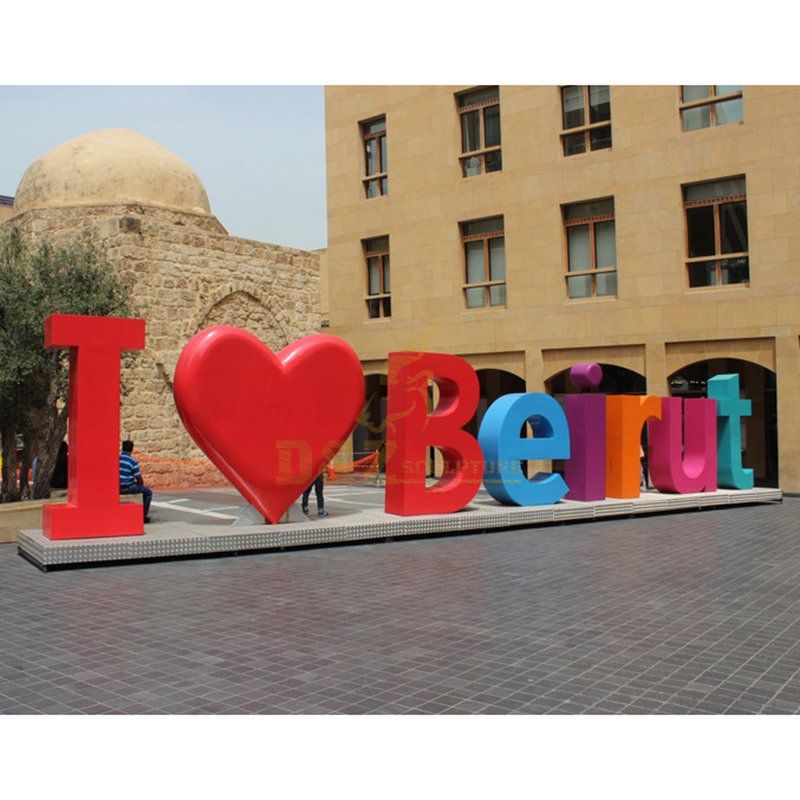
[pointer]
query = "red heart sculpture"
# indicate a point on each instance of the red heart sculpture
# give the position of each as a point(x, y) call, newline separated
point(270, 423)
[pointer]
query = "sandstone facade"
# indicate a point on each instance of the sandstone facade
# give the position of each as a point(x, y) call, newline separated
point(655, 325)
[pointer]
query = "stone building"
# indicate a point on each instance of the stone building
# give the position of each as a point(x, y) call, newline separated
point(652, 229)
point(149, 212)
point(6, 207)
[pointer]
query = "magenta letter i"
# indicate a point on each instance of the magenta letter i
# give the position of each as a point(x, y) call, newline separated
point(586, 414)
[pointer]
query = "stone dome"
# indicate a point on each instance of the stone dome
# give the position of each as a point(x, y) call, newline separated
point(111, 167)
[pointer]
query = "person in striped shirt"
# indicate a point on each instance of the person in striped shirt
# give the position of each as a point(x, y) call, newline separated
point(130, 477)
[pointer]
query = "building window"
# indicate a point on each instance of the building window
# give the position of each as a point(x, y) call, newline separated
point(485, 262)
point(379, 287)
point(479, 114)
point(716, 233)
point(376, 163)
point(586, 118)
point(591, 249)
point(705, 106)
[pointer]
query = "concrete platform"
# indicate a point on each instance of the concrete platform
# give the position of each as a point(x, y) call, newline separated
point(178, 539)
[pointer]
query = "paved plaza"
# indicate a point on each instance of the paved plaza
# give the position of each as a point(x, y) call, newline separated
point(679, 613)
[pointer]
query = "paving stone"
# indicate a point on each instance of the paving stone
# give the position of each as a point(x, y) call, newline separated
point(691, 613)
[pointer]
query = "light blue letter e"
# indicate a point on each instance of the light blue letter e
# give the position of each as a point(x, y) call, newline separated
point(504, 449)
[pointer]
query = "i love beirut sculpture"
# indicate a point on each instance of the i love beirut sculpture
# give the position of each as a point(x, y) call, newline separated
point(271, 422)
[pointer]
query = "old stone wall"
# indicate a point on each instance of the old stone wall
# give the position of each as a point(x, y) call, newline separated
point(186, 274)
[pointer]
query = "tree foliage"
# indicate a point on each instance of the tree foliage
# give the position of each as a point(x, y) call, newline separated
point(36, 281)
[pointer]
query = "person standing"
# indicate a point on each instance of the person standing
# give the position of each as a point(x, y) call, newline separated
point(317, 486)
point(61, 471)
point(130, 477)
point(642, 470)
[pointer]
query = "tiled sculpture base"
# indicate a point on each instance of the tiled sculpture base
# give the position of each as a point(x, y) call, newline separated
point(175, 540)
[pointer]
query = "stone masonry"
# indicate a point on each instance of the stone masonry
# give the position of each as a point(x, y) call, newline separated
point(186, 273)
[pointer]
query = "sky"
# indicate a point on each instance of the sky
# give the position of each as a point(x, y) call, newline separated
point(259, 150)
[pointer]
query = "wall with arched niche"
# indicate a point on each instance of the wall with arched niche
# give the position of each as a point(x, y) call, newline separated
point(616, 380)
point(759, 351)
point(185, 274)
point(369, 435)
point(242, 309)
point(631, 357)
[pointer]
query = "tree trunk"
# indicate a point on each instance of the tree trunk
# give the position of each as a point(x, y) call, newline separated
point(50, 437)
point(10, 490)
point(28, 452)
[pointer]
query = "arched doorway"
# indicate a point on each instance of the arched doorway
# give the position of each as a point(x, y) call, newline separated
point(616, 380)
point(760, 430)
point(493, 383)
point(369, 434)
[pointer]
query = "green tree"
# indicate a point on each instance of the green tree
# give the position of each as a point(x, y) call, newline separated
point(36, 281)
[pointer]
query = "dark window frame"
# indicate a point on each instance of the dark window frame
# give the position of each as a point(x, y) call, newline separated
point(381, 177)
point(482, 151)
point(588, 127)
point(487, 283)
point(718, 256)
point(593, 270)
point(381, 300)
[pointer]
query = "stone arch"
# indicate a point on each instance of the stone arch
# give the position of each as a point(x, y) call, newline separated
point(370, 431)
point(760, 351)
point(230, 304)
point(630, 357)
point(510, 363)
point(378, 366)
point(241, 309)
point(494, 383)
point(617, 379)
point(218, 294)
